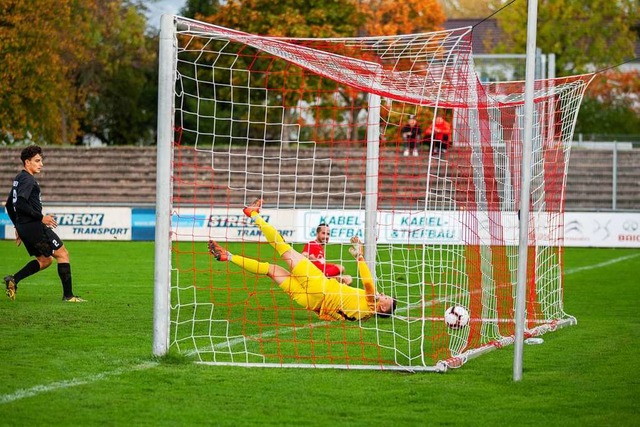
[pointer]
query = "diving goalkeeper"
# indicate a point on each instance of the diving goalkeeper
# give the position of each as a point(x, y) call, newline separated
point(306, 284)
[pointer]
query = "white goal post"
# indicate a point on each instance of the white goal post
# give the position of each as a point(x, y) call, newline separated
point(318, 129)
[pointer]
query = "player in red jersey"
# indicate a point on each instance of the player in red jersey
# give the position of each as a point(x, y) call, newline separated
point(314, 250)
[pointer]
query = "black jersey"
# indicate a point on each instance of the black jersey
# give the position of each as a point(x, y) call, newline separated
point(24, 204)
point(411, 133)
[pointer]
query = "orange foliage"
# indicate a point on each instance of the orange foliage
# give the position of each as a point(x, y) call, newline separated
point(392, 17)
point(615, 87)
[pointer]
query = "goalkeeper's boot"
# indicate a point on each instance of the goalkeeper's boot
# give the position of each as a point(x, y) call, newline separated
point(253, 207)
point(218, 251)
point(73, 298)
point(10, 283)
point(356, 249)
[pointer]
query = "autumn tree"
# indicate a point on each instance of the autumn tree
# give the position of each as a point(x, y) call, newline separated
point(58, 58)
point(40, 45)
point(582, 34)
point(392, 17)
point(290, 18)
point(610, 105)
point(326, 19)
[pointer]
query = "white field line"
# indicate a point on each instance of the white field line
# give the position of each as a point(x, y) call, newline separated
point(39, 389)
point(602, 264)
point(566, 273)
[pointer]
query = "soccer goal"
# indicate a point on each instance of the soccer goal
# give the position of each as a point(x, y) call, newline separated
point(315, 128)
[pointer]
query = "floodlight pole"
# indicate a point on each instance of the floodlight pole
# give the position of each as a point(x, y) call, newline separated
point(525, 188)
point(162, 269)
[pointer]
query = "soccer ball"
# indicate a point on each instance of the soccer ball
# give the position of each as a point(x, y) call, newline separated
point(456, 317)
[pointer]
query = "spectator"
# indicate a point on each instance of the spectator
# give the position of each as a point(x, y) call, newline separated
point(314, 250)
point(439, 134)
point(411, 136)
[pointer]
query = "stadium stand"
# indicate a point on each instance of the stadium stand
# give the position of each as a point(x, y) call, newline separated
point(125, 176)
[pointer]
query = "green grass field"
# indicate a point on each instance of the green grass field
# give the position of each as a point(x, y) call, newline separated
point(91, 364)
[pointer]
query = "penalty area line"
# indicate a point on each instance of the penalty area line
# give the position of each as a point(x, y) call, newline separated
point(39, 389)
point(429, 303)
point(601, 264)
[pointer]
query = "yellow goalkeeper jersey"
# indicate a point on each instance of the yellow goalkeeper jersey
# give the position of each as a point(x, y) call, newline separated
point(342, 302)
point(338, 301)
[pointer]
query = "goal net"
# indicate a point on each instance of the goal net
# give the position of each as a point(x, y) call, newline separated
point(318, 129)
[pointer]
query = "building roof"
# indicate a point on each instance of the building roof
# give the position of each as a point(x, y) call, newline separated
point(486, 34)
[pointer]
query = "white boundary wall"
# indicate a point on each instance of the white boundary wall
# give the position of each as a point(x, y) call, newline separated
point(587, 229)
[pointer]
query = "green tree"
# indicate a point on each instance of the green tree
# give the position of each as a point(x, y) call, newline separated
point(291, 18)
point(198, 9)
point(582, 34)
point(122, 77)
point(470, 9)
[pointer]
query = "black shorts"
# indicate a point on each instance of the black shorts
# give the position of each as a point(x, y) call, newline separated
point(38, 239)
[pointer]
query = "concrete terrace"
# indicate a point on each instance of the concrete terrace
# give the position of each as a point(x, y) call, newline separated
point(303, 178)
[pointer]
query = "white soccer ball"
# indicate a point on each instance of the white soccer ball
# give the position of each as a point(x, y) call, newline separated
point(456, 317)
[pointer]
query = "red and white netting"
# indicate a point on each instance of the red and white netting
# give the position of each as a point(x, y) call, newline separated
point(289, 121)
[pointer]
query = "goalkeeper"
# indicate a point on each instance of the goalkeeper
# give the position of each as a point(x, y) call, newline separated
point(305, 283)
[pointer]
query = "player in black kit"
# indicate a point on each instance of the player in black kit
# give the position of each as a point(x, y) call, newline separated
point(34, 229)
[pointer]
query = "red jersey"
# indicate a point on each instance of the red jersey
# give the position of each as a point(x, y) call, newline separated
point(441, 130)
point(317, 250)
